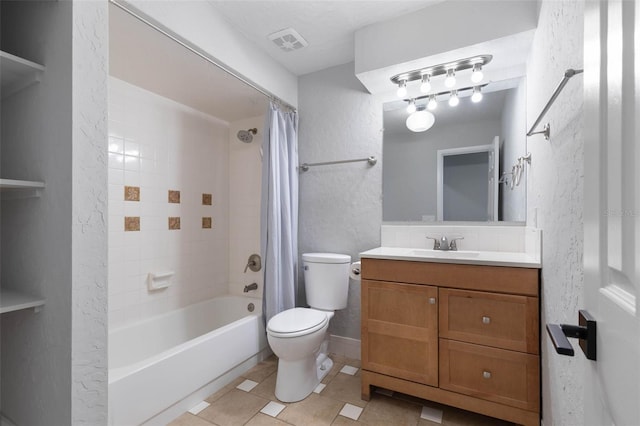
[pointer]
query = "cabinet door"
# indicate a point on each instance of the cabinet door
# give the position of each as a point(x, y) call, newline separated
point(400, 330)
point(492, 319)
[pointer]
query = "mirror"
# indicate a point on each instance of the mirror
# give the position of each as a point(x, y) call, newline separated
point(437, 175)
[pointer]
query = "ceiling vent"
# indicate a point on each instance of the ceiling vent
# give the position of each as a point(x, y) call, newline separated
point(288, 40)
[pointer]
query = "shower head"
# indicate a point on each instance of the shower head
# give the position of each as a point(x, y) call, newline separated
point(246, 136)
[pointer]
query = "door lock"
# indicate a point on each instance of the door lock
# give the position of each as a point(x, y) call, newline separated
point(585, 331)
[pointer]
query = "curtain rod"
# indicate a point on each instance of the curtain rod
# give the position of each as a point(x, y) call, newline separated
point(192, 48)
point(547, 128)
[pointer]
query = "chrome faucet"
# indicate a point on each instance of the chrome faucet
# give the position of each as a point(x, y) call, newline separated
point(252, 286)
point(443, 244)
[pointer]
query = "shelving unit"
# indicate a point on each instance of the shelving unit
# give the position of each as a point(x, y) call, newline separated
point(14, 189)
point(17, 73)
point(14, 301)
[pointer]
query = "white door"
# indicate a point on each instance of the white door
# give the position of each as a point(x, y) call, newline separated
point(494, 166)
point(612, 209)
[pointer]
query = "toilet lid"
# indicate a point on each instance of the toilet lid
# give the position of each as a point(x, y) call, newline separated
point(326, 258)
point(296, 321)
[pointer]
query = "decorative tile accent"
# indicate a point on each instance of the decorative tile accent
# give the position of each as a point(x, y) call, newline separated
point(206, 223)
point(431, 414)
point(207, 199)
point(347, 369)
point(351, 411)
point(319, 388)
point(272, 409)
point(195, 410)
point(247, 385)
point(131, 223)
point(132, 193)
point(174, 223)
point(174, 196)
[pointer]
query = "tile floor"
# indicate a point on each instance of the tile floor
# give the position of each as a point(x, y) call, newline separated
point(250, 400)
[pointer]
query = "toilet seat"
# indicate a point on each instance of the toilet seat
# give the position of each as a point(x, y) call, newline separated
point(296, 322)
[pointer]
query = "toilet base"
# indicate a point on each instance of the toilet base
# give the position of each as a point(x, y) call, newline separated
point(294, 383)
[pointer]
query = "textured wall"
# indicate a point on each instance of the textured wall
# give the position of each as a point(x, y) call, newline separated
point(340, 205)
point(554, 197)
point(89, 224)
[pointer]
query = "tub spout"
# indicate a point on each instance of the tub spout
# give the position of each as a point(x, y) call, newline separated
point(252, 286)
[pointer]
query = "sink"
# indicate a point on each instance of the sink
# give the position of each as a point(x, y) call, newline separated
point(445, 254)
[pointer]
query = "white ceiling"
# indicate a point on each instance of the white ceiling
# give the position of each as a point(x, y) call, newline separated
point(328, 26)
point(148, 59)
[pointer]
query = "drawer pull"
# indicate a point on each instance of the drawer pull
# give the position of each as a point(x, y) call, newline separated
point(486, 320)
point(432, 300)
point(486, 374)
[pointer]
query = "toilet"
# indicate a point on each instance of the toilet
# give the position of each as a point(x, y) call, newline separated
point(298, 336)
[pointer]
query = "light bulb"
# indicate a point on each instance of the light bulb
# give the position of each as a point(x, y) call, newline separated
point(425, 87)
point(420, 121)
point(454, 100)
point(450, 81)
point(432, 104)
point(411, 108)
point(477, 75)
point(402, 89)
point(477, 95)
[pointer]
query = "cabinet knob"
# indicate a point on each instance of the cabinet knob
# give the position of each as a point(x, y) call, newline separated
point(432, 300)
point(486, 320)
point(486, 374)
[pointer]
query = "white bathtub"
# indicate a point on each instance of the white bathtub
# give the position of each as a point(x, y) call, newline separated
point(180, 357)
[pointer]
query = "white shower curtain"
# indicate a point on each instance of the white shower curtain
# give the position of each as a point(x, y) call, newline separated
point(279, 210)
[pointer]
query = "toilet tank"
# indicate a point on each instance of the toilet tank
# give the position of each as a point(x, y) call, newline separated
point(326, 280)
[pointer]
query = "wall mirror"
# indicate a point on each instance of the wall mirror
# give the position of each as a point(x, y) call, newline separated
point(462, 168)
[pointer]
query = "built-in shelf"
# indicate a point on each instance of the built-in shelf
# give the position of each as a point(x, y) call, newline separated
point(17, 73)
point(9, 184)
point(14, 301)
point(12, 188)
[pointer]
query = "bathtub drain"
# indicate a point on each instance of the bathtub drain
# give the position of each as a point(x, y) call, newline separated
point(250, 307)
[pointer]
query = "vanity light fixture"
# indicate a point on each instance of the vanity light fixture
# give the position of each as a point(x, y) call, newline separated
point(453, 99)
point(411, 108)
point(402, 89)
point(425, 87)
point(427, 74)
point(420, 121)
point(477, 95)
point(432, 104)
point(477, 75)
point(450, 81)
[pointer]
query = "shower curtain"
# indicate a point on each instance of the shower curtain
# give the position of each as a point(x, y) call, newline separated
point(279, 210)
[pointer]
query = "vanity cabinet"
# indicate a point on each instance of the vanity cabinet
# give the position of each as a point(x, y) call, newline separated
point(458, 334)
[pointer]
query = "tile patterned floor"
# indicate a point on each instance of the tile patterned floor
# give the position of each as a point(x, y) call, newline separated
point(337, 404)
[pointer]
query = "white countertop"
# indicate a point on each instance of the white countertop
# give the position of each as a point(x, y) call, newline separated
point(489, 258)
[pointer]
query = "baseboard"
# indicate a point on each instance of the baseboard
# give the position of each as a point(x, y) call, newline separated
point(344, 346)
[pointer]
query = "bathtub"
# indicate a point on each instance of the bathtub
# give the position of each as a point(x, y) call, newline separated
point(160, 367)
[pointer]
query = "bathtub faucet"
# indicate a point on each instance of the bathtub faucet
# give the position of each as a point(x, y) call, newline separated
point(252, 286)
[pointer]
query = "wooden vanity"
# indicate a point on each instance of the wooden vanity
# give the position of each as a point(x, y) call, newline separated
point(458, 334)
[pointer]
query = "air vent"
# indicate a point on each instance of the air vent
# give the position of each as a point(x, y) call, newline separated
point(288, 40)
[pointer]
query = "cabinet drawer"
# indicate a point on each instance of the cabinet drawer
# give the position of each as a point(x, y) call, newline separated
point(499, 320)
point(400, 330)
point(507, 377)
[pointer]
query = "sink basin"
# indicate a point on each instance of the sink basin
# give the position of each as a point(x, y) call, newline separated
point(445, 254)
